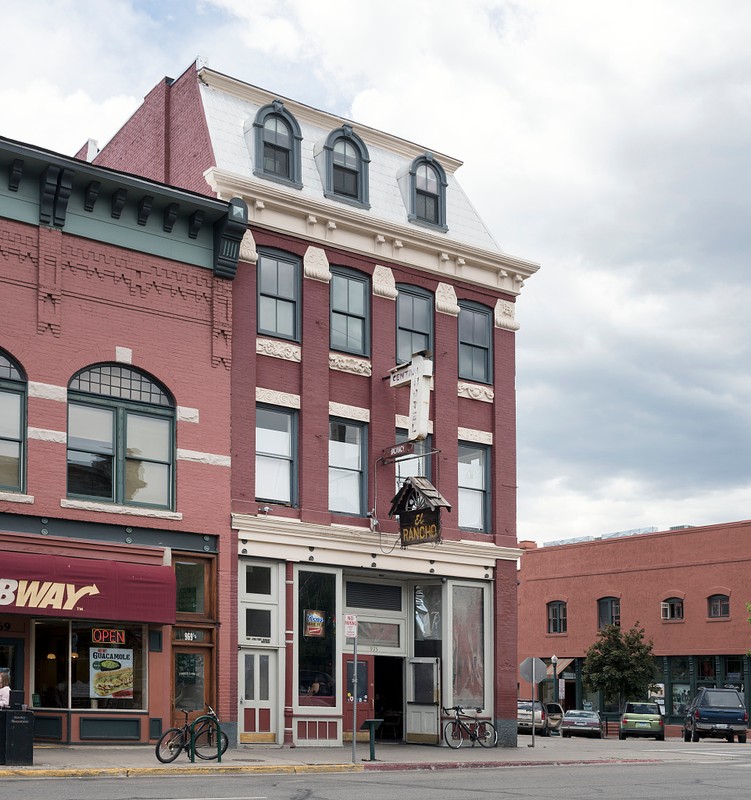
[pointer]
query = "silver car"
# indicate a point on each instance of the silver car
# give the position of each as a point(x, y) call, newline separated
point(524, 718)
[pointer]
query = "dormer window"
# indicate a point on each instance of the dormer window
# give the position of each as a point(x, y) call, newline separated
point(346, 161)
point(277, 145)
point(427, 200)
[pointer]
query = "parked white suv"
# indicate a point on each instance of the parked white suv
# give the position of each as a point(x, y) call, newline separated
point(524, 718)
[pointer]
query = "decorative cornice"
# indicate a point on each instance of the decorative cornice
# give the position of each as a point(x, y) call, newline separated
point(349, 412)
point(274, 398)
point(273, 207)
point(316, 265)
point(475, 391)
point(248, 250)
point(504, 316)
point(357, 366)
point(384, 284)
point(445, 300)
point(472, 435)
point(279, 349)
point(356, 547)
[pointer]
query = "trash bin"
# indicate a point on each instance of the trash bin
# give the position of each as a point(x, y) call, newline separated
point(17, 738)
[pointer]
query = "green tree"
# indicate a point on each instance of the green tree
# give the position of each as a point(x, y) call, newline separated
point(620, 664)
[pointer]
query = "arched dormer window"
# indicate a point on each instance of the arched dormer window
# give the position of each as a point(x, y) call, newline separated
point(346, 167)
point(12, 425)
point(277, 145)
point(427, 192)
point(121, 438)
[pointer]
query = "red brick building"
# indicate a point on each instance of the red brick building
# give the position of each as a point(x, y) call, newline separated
point(115, 358)
point(687, 588)
point(362, 250)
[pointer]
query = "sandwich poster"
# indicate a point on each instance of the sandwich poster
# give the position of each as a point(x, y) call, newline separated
point(110, 673)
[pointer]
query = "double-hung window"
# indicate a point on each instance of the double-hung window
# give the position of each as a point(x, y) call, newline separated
point(277, 144)
point(350, 311)
point(276, 472)
point(12, 425)
point(474, 482)
point(279, 295)
point(475, 342)
point(347, 474)
point(121, 432)
point(414, 322)
point(346, 167)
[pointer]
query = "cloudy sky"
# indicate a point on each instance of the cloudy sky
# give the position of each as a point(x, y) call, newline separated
point(608, 141)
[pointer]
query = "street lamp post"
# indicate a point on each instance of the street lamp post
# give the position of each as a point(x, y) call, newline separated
point(554, 661)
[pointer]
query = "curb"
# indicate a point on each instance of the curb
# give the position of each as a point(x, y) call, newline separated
point(293, 769)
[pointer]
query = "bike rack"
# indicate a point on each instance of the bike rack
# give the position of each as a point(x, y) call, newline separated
point(192, 748)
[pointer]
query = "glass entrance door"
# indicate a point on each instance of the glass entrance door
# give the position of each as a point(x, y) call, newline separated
point(193, 684)
point(423, 700)
point(257, 675)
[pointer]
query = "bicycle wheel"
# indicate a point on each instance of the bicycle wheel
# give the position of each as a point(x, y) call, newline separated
point(170, 745)
point(486, 734)
point(453, 733)
point(206, 740)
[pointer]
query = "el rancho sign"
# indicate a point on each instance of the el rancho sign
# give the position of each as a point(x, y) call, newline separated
point(418, 505)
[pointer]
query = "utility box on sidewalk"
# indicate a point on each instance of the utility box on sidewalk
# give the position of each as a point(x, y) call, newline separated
point(17, 738)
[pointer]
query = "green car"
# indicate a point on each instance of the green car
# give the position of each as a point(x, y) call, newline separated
point(642, 719)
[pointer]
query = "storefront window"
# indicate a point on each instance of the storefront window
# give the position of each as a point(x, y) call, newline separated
point(317, 641)
point(706, 669)
point(428, 628)
point(733, 672)
point(94, 665)
point(469, 646)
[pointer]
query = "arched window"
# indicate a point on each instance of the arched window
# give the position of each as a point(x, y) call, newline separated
point(346, 165)
point(718, 605)
point(672, 608)
point(277, 145)
point(12, 425)
point(427, 181)
point(557, 622)
point(121, 438)
point(475, 342)
point(608, 612)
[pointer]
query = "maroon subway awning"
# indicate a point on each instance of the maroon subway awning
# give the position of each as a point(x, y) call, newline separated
point(61, 586)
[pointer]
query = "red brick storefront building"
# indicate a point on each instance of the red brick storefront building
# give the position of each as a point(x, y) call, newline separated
point(115, 358)
point(687, 588)
point(362, 250)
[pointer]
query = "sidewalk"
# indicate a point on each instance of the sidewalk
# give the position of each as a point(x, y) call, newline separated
point(134, 760)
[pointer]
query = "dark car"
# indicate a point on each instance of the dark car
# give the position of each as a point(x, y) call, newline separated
point(718, 713)
point(642, 719)
point(582, 723)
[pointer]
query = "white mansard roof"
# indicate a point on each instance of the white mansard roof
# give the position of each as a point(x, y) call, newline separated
point(466, 249)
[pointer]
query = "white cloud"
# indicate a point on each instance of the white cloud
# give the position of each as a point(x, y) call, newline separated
point(608, 141)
